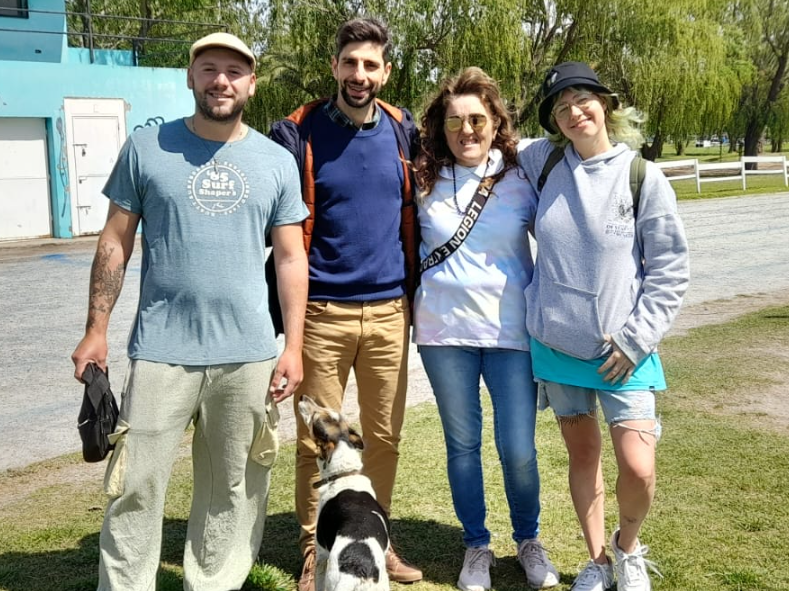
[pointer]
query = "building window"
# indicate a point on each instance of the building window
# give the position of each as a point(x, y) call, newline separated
point(14, 8)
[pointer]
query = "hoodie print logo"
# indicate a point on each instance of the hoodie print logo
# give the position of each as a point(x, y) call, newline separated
point(620, 222)
point(219, 189)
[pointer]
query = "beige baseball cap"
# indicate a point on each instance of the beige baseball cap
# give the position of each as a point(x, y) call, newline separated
point(225, 40)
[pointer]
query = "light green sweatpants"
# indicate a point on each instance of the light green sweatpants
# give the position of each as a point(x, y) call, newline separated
point(234, 446)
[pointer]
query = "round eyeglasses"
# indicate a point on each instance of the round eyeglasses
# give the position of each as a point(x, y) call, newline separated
point(582, 100)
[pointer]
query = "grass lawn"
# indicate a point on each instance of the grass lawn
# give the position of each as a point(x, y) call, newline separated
point(756, 185)
point(720, 518)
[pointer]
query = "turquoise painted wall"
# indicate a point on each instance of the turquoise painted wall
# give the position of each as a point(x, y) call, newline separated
point(105, 57)
point(35, 38)
point(152, 95)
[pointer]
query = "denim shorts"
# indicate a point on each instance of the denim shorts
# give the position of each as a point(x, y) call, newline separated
point(617, 405)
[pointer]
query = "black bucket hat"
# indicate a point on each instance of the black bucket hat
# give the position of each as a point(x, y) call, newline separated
point(564, 76)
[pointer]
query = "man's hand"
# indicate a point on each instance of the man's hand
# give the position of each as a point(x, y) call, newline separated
point(618, 365)
point(287, 375)
point(92, 348)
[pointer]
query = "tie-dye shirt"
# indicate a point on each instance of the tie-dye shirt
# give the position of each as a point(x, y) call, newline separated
point(474, 298)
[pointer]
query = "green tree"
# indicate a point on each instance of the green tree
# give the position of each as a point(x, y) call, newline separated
point(683, 74)
point(159, 32)
point(765, 24)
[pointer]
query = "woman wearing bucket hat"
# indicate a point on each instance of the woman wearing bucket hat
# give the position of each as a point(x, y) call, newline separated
point(611, 272)
point(470, 316)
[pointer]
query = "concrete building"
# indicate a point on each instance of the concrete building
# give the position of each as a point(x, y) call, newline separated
point(64, 114)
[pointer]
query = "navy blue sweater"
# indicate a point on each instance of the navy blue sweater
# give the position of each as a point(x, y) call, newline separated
point(356, 253)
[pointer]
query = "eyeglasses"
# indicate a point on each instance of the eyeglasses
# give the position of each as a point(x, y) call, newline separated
point(582, 100)
point(455, 123)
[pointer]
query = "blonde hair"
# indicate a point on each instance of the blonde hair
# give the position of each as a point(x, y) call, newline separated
point(622, 123)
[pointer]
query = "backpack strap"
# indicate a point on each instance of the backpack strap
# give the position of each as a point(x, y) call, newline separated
point(638, 171)
point(553, 159)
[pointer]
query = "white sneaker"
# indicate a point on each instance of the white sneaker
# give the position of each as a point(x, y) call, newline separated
point(540, 573)
point(475, 574)
point(631, 569)
point(594, 577)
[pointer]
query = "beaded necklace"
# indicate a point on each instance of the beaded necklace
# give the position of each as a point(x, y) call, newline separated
point(455, 186)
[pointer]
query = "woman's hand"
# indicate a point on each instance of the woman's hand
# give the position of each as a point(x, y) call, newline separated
point(618, 365)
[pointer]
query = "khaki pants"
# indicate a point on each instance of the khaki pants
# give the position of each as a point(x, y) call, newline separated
point(234, 446)
point(371, 338)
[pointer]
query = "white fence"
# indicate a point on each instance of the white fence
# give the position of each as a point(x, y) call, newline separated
point(712, 172)
point(691, 163)
point(767, 160)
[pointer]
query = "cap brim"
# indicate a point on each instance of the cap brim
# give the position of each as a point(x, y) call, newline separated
point(547, 103)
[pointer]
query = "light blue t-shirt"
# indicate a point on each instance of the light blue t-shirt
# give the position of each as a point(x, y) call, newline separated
point(551, 365)
point(206, 209)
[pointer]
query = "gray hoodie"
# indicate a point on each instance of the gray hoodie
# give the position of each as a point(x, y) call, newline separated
point(589, 278)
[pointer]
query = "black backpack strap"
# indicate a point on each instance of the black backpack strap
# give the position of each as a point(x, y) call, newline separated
point(638, 171)
point(553, 159)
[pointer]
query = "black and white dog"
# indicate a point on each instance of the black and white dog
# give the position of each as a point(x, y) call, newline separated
point(352, 535)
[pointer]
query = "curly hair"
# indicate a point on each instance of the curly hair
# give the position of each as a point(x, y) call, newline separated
point(622, 123)
point(435, 152)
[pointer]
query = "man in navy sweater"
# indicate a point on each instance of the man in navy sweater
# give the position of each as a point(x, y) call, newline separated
point(362, 246)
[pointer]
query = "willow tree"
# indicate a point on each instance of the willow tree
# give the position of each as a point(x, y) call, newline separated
point(779, 123)
point(765, 24)
point(431, 38)
point(159, 32)
point(677, 67)
point(559, 31)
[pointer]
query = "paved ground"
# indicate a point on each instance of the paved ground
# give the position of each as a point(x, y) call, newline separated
point(739, 247)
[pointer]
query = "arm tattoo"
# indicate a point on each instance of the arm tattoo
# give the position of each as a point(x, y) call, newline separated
point(105, 284)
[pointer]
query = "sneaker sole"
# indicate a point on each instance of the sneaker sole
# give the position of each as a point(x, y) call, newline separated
point(547, 584)
point(406, 580)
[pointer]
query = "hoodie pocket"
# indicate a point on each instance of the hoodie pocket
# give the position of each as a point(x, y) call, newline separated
point(572, 321)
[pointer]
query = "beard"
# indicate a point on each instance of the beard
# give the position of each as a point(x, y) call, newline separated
point(358, 103)
point(215, 113)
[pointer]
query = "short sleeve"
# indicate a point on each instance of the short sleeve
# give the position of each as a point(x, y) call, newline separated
point(123, 184)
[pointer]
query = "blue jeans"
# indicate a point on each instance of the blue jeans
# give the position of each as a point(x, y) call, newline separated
point(454, 374)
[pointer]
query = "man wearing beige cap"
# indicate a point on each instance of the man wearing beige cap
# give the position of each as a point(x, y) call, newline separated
point(208, 189)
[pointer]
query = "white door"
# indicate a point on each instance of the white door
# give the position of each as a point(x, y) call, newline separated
point(24, 179)
point(96, 129)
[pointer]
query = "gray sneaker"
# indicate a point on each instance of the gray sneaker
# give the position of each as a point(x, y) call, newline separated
point(594, 577)
point(475, 574)
point(540, 573)
point(631, 569)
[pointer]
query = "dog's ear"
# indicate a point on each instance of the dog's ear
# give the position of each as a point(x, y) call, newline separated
point(355, 438)
point(306, 408)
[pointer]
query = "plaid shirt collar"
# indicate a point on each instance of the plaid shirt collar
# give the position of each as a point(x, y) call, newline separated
point(337, 116)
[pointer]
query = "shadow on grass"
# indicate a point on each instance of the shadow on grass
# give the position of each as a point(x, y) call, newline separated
point(76, 569)
point(435, 547)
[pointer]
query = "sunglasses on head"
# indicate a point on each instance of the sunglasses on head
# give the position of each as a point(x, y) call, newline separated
point(455, 123)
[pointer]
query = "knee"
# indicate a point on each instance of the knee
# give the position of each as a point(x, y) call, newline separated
point(638, 474)
point(582, 439)
point(583, 457)
point(519, 457)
